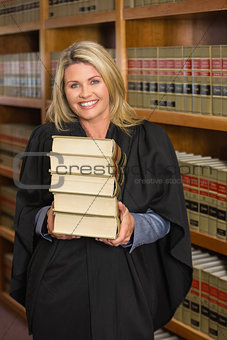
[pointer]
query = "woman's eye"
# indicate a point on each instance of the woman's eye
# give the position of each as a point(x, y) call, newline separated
point(73, 86)
point(95, 81)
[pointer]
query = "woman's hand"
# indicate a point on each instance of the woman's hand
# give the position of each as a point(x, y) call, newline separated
point(126, 227)
point(50, 226)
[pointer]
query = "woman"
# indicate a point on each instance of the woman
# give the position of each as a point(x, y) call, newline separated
point(84, 288)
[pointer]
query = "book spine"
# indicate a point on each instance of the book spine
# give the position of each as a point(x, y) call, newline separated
point(216, 64)
point(222, 308)
point(224, 79)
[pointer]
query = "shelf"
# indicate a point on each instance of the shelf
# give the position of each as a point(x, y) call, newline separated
point(7, 172)
point(10, 302)
point(177, 8)
point(78, 20)
point(7, 233)
point(20, 28)
point(185, 331)
point(35, 103)
point(184, 119)
point(208, 242)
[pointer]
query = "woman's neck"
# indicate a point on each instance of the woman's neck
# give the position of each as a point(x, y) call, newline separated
point(96, 130)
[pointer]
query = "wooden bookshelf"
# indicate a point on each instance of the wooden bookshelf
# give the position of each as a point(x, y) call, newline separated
point(7, 233)
point(176, 8)
point(184, 119)
point(169, 24)
point(11, 303)
point(20, 28)
point(186, 332)
point(35, 103)
point(208, 242)
point(78, 20)
point(6, 171)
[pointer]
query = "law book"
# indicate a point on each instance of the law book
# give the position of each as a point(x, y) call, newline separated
point(205, 88)
point(187, 55)
point(85, 165)
point(196, 80)
point(162, 78)
point(205, 312)
point(196, 297)
point(216, 64)
point(86, 225)
point(222, 308)
point(85, 204)
point(224, 79)
point(186, 305)
point(82, 184)
point(179, 78)
point(221, 231)
point(205, 168)
point(170, 77)
point(213, 302)
point(95, 147)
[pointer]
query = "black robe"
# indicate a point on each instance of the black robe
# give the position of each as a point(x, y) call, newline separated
point(83, 289)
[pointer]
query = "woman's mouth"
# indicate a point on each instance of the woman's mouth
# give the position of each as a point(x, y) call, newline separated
point(89, 104)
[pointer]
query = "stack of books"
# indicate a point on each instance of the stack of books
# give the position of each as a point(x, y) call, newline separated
point(86, 179)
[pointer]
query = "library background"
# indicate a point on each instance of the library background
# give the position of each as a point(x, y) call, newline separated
point(173, 57)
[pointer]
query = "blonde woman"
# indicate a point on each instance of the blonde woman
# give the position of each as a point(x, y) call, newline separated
point(86, 288)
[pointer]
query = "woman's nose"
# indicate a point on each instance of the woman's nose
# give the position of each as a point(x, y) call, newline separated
point(85, 92)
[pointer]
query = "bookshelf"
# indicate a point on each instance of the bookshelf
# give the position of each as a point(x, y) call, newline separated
point(189, 22)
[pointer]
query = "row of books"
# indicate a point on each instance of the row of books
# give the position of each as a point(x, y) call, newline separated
point(7, 205)
point(179, 78)
point(205, 191)
point(54, 58)
point(20, 75)
point(13, 140)
point(13, 12)
point(205, 306)
point(86, 185)
point(137, 3)
point(62, 8)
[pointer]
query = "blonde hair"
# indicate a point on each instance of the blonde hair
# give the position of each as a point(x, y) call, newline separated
point(121, 113)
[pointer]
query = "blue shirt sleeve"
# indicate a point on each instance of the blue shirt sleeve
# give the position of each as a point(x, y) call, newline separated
point(149, 227)
point(39, 220)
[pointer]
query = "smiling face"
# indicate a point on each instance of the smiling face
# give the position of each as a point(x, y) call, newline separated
point(86, 93)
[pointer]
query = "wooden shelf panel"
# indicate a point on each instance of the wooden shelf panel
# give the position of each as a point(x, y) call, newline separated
point(185, 331)
point(20, 28)
point(6, 171)
point(35, 103)
point(7, 233)
point(12, 304)
point(177, 8)
point(184, 119)
point(208, 242)
point(78, 20)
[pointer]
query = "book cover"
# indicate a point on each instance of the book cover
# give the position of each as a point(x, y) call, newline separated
point(85, 204)
point(86, 225)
